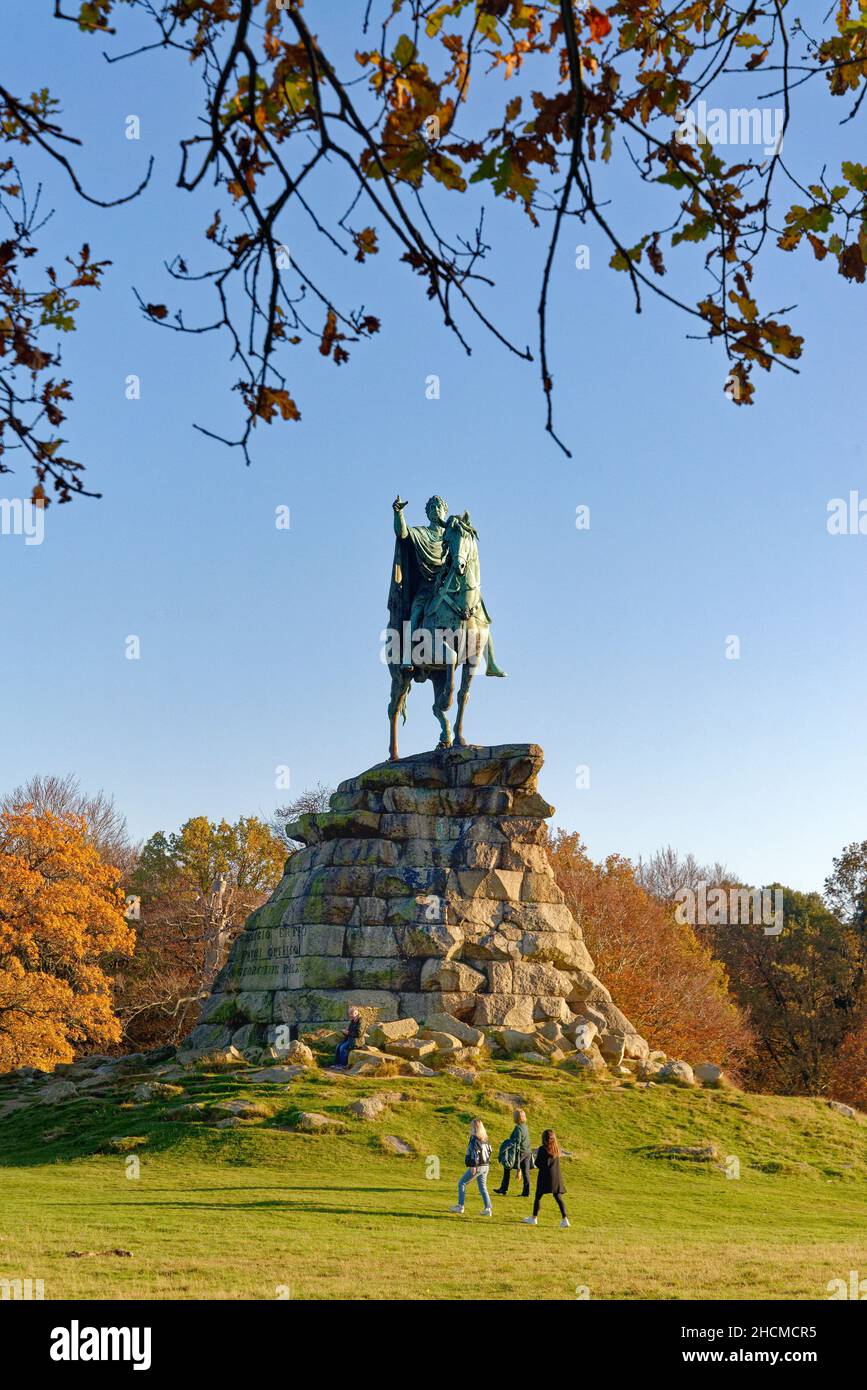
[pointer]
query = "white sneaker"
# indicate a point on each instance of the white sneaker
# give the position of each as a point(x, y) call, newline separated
point(487, 1212)
point(530, 1221)
point(564, 1222)
point(458, 1210)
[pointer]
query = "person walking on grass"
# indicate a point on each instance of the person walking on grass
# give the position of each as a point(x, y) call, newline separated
point(516, 1155)
point(548, 1177)
point(350, 1038)
point(478, 1161)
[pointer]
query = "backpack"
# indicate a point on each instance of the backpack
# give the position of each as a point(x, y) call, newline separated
point(508, 1154)
point(478, 1153)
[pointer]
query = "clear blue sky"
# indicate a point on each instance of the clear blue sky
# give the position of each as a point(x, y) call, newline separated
point(260, 647)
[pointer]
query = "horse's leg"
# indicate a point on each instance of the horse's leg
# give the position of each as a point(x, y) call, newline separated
point(444, 691)
point(463, 695)
point(400, 683)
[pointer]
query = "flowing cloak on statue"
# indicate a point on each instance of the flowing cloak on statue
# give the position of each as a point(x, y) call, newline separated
point(418, 560)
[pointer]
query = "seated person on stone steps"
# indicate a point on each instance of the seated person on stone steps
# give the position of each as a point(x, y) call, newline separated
point(351, 1038)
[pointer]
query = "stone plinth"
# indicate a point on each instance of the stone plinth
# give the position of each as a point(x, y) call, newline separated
point(425, 889)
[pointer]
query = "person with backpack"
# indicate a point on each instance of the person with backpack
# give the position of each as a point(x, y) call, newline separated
point(478, 1161)
point(548, 1177)
point(516, 1155)
point(350, 1038)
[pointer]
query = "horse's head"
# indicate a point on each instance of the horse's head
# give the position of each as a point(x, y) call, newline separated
point(462, 568)
point(461, 541)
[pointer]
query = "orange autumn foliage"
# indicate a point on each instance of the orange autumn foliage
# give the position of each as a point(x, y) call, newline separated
point(662, 977)
point(61, 919)
point(848, 1079)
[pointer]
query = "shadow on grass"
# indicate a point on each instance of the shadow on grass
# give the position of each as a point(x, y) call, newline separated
point(37, 1137)
point(286, 1187)
point(286, 1208)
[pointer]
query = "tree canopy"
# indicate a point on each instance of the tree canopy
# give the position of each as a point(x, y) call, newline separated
point(803, 990)
point(61, 924)
point(662, 975)
point(105, 825)
point(392, 134)
point(196, 887)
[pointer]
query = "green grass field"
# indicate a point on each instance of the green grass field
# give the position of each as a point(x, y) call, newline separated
point(265, 1211)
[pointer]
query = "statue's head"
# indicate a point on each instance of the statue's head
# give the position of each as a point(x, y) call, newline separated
point(436, 509)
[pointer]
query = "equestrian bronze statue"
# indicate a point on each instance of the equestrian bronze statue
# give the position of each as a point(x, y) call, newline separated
point(437, 616)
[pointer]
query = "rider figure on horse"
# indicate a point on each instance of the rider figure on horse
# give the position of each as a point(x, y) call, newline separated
point(421, 563)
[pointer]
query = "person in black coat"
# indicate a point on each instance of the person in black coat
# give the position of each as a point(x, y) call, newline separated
point(548, 1177)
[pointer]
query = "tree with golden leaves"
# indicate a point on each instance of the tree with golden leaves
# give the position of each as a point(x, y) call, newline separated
point(61, 921)
point(660, 128)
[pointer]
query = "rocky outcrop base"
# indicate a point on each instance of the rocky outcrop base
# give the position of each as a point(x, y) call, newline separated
point(425, 891)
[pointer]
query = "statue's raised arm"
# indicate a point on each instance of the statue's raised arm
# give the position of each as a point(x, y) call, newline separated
point(400, 527)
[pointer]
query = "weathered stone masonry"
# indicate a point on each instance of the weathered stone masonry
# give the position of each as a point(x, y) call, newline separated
point(425, 889)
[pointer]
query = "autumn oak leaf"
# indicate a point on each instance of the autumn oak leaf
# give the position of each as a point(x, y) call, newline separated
point(600, 25)
point(365, 243)
point(851, 263)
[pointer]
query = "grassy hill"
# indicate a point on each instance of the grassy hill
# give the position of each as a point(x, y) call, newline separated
point(264, 1210)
